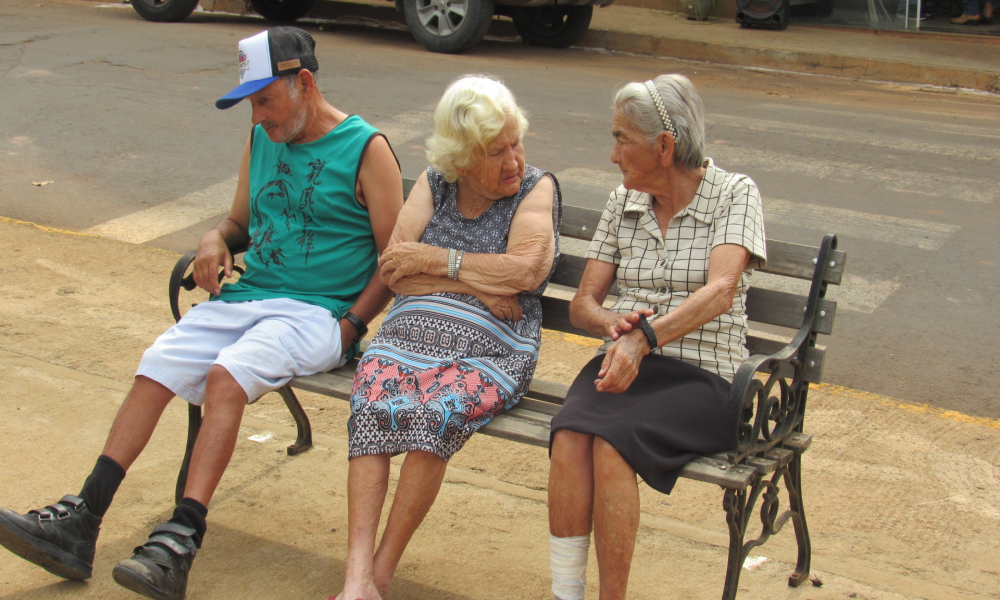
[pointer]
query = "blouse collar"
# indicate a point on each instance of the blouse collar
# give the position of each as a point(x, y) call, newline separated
point(702, 207)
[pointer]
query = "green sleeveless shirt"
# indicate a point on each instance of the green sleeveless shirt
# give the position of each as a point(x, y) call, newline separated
point(310, 239)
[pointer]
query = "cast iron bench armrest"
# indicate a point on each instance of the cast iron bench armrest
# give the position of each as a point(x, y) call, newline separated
point(758, 419)
point(178, 280)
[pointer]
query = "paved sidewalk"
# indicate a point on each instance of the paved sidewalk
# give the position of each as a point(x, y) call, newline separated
point(939, 59)
point(965, 61)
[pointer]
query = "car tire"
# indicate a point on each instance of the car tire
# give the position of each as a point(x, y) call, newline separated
point(448, 26)
point(164, 11)
point(552, 26)
point(282, 10)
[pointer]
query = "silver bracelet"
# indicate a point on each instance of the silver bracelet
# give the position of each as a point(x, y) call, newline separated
point(458, 263)
point(452, 271)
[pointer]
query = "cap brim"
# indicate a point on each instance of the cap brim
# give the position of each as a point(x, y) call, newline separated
point(242, 91)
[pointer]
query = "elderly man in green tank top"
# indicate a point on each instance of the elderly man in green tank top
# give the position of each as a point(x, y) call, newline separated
point(317, 199)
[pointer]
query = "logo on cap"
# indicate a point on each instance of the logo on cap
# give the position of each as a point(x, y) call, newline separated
point(244, 63)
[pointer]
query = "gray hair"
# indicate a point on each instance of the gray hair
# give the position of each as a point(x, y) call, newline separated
point(290, 80)
point(470, 115)
point(684, 108)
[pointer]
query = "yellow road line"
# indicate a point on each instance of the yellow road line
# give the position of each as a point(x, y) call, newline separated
point(913, 407)
point(48, 229)
point(45, 228)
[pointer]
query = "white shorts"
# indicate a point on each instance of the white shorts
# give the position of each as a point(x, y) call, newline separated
point(262, 343)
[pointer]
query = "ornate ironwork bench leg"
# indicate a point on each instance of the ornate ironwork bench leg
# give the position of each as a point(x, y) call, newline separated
point(304, 440)
point(194, 425)
point(793, 483)
point(734, 502)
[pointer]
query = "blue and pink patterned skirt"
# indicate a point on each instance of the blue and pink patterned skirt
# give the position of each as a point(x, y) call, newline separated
point(438, 370)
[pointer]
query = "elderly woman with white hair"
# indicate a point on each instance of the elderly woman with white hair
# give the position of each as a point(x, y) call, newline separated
point(471, 254)
point(680, 238)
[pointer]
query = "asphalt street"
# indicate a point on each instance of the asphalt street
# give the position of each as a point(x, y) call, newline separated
point(118, 113)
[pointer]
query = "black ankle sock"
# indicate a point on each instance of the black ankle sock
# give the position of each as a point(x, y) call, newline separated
point(100, 487)
point(191, 513)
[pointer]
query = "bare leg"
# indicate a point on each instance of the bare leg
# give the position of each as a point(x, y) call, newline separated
point(419, 482)
point(225, 401)
point(616, 518)
point(571, 484)
point(136, 420)
point(367, 482)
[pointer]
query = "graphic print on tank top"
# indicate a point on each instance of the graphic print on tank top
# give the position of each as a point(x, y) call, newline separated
point(299, 215)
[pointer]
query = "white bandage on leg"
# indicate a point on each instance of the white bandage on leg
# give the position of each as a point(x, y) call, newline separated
point(568, 557)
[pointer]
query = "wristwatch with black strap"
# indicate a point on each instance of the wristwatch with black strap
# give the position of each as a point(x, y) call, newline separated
point(647, 330)
point(359, 325)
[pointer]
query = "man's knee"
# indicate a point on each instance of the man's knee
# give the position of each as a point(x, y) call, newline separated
point(222, 388)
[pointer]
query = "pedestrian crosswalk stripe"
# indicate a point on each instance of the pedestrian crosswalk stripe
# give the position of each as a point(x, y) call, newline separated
point(216, 200)
point(162, 219)
point(408, 126)
point(836, 170)
point(913, 233)
point(838, 135)
point(930, 127)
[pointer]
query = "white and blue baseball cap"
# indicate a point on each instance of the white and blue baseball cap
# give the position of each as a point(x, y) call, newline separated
point(268, 55)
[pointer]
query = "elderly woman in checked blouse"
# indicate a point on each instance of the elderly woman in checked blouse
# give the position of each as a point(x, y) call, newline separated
point(471, 254)
point(680, 237)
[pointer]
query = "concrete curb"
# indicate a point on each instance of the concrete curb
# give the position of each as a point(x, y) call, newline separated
point(803, 62)
point(816, 63)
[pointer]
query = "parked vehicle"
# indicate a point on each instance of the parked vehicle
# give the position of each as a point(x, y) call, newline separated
point(450, 26)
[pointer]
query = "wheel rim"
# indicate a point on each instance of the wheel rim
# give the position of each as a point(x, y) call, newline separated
point(441, 17)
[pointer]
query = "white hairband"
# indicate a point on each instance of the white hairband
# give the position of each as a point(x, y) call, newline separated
point(664, 116)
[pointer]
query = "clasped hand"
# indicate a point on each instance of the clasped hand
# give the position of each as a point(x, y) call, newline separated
point(404, 259)
point(621, 362)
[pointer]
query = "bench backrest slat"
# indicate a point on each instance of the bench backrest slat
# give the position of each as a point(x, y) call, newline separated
point(796, 260)
point(763, 306)
point(783, 258)
point(814, 357)
point(786, 310)
point(555, 316)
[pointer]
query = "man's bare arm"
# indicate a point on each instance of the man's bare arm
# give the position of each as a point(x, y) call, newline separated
point(213, 248)
point(380, 189)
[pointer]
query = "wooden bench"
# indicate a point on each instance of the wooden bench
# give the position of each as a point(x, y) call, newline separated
point(766, 407)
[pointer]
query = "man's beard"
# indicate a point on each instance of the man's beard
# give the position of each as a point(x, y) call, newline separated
point(297, 122)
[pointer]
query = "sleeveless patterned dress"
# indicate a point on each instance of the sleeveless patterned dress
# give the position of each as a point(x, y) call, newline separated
point(442, 366)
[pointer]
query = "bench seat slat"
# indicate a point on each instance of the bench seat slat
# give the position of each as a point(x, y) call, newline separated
point(799, 442)
point(539, 406)
point(528, 423)
point(548, 391)
point(512, 428)
point(719, 472)
point(327, 384)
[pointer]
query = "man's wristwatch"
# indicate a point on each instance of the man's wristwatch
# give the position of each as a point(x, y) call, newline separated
point(358, 324)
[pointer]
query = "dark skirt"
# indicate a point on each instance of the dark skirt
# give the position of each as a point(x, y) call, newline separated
point(670, 414)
